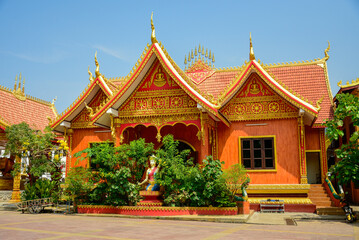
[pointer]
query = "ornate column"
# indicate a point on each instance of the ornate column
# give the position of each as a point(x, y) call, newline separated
point(70, 132)
point(15, 197)
point(323, 159)
point(302, 157)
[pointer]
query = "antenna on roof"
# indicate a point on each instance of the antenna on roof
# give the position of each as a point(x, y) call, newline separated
point(251, 52)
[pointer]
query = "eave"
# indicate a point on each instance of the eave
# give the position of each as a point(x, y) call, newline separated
point(79, 104)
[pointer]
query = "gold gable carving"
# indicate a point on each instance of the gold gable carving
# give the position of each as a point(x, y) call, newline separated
point(158, 95)
point(83, 119)
point(256, 101)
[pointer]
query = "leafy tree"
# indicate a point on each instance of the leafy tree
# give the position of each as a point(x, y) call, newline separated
point(78, 184)
point(186, 184)
point(118, 171)
point(236, 179)
point(38, 147)
point(347, 169)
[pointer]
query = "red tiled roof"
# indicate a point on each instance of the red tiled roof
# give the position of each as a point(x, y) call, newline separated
point(15, 111)
point(217, 82)
point(306, 80)
point(309, 81)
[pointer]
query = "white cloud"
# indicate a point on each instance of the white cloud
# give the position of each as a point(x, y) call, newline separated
point(110, 52)
point(55, 56)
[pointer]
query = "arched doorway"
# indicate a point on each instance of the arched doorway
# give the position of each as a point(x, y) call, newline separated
point(183, 145)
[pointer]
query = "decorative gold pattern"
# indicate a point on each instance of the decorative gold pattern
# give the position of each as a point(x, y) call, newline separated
point(301, 148)
point(286, 200)
point(352, 84)
point(257, 101)
point(84, 117)
point(18, 92)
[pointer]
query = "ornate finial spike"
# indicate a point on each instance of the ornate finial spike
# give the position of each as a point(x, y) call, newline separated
point(15, 85)
point(153, 36)
point(212, 57)
point(189, 57)
point(202, 50)
point(97, 71)
point(326, 52)
point(185, 59)
point(206, 52)
point(251, 52)
point(90, 73)
point(195, 51)
point(192, 54)
point(23, 85)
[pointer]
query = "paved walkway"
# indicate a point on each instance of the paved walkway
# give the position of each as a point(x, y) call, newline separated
point(15, 225)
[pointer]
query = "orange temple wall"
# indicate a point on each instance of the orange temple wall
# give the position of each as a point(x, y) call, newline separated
point(286, 132)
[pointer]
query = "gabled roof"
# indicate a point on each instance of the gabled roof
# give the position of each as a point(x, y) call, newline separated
point(254, 66)
point(17, 107)
point(155, 51)
point(307, 79)
point(348, 86)
point(80, 103)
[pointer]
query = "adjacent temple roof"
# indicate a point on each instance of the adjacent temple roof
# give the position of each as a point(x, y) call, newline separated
point(17, 107)
point(305, 84)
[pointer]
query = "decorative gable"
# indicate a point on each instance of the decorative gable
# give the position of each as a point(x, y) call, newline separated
point(158, 94)
point(257, 101)
point(83, 119)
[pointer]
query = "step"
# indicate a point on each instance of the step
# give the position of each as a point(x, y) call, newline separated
point(322, 204)
point(325, 198)
point(330, 211)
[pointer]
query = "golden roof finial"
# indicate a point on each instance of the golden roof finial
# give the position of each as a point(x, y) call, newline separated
point(23, 85)
point(326, 52)
point(206, 52)
point(97, 71)
point(15, 85)
point(202, 50)
point(153, 36)
point(185, 59)
point(195, 51)
point(19, 82)
point(90, 73)
point(251, 52)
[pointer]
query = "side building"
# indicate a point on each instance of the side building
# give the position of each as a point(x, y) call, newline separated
point(17, 107)
point(349, 128)
point(267, 117)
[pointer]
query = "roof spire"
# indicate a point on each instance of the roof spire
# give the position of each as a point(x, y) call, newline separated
point(153, 36)
point(15, 85)
point(23, 85)
point(251, 52)
point(97, 71)
point(326, 52)
point(90, 73)
point(19, 82)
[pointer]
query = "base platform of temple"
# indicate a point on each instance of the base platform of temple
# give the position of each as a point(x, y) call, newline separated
point(157, 211)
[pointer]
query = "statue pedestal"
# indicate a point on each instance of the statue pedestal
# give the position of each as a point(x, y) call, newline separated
point(152, 198)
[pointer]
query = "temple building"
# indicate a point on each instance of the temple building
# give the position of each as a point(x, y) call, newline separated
point(267, 117)
point(17, 107)
point(349, 129)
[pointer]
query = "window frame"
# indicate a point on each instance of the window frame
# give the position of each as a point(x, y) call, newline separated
point(274, 150)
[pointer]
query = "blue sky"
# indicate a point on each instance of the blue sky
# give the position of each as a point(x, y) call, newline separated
point(52, 43)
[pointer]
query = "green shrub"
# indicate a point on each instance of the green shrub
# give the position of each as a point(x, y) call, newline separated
point(42, 188)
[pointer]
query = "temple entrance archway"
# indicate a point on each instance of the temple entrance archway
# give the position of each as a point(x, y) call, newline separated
point(185, 134)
